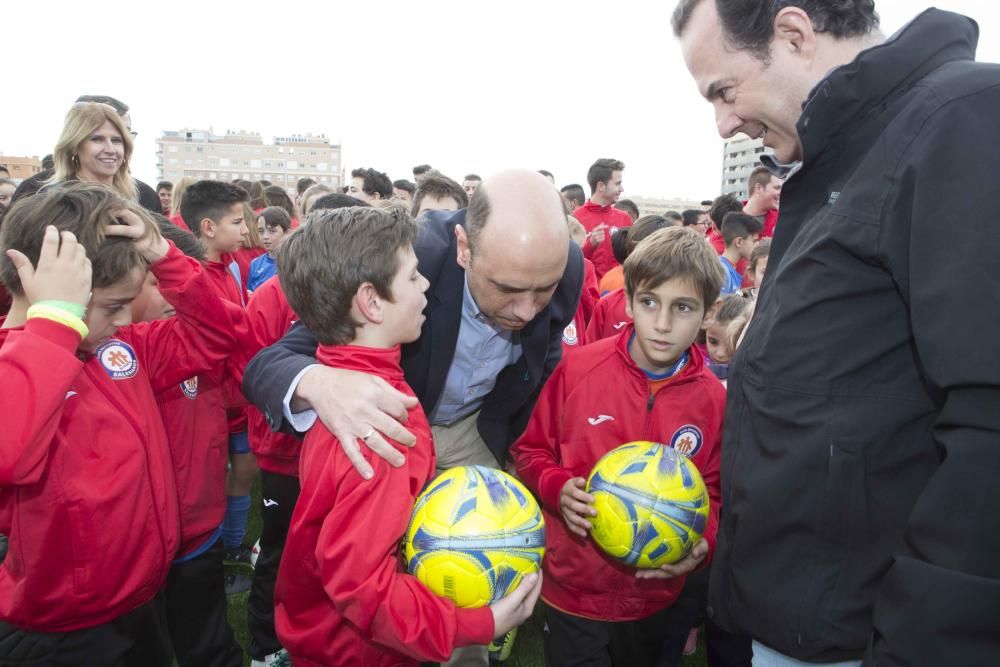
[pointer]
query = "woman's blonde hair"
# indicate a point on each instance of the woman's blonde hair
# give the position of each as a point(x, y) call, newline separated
point(178, 193)
point(83, 119)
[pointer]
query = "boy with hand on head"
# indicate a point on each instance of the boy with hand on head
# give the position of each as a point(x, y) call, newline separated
point(598, 609)
point(85, 469)
point(342, 598)
point(741, 232)
point(194, 418)
point(273, 224)
point(216, 214)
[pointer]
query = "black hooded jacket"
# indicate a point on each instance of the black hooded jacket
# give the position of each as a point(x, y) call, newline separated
point(861, 455)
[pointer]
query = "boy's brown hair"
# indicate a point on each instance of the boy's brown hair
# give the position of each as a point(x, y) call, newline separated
point(675, 252)
point(85, 209)
point(322, 264)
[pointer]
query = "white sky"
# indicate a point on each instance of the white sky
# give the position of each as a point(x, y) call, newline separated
point(465, 86)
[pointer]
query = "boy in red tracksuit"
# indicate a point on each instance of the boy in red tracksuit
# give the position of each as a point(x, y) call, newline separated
point(216, 212)
point(597, 608)
point(194, 418)
point(277, 457)
point(85, 467)
point(599, 216)
point(575, 332)
point(342, 597)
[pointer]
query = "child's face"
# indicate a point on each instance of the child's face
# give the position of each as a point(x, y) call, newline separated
point(270, 237)
point(717, 342)
point(667, 320)
point(150, 305)
point(225, 235)
point(758, 271)
point(111, 307)
point(404, 315)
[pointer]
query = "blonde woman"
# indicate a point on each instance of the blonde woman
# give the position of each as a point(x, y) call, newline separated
point(175, 201)
point(95, 147)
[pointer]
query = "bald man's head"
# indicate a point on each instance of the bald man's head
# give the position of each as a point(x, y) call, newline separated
point(514, 246)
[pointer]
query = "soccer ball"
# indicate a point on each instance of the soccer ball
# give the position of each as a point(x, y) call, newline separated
point(475, 532)
point(652, 505)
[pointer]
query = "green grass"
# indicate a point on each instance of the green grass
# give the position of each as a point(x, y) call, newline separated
point(527, 649)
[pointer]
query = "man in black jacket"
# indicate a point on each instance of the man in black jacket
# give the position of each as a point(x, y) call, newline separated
point(862, 444)
point(505, 281)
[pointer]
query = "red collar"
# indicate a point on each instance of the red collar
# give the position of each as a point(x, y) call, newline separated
point(383, 362)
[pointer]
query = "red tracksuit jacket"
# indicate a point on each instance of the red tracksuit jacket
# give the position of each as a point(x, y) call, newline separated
point(229, 289)
point(609, 316)
point(270, 318)
point(84, 461)
point(590, 216)
point(194, 418)
point(575, 332)
point(575, 422)
point(342, 597)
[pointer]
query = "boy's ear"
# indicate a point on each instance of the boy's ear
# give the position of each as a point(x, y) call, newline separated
point(207, 228)
point(628, 306)
point(369, 303)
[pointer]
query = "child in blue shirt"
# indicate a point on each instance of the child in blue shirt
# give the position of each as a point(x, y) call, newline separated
point(741, 232)
point(273, 225)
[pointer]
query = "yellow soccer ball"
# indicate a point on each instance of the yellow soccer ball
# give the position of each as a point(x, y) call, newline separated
point(475, 532)
point(652, 505)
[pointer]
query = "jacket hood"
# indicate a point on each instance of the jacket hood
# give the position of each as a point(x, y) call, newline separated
point(932, 39)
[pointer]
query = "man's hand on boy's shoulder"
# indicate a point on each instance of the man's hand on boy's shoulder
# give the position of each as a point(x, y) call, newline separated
point(147, 239)
point(575, 504)
point(354, 407)
point(682, 567)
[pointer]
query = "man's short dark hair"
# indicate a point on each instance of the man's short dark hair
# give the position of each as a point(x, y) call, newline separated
point(722, 205)
point(439, 186)
point(575, 193)
point(629, 207)
point(691, 216)
point(164, 185)
point(601, 171)
point(739, 226)
point(706, 202)
point(303, 184)
point(619, 244)
point(759, 176)
point(336, 200)
point(209, 199)
point(322, 265)
point(472, 177)
point(421, 169)
point(403, 184)
point(548, 174)
point(48, 162)
point(374, 182)
point(476, 216)
point(749, 24)
point(674, 217)
point(120, 107)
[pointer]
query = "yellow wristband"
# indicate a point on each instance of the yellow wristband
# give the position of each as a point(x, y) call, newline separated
point(61, 316)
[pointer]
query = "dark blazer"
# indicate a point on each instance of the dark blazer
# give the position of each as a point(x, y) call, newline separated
point(426, 361)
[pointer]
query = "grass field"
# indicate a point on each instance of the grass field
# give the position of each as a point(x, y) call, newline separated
point(527, 649)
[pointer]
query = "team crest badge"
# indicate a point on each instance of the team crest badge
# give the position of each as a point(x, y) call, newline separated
point(190, 387)
point(569, 333)
point(687, 440)
point(118, 359)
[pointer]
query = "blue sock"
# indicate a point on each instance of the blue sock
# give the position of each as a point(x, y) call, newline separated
point(234, 523)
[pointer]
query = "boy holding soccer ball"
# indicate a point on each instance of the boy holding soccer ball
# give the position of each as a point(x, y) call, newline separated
point(647, 383)
point(341, 598)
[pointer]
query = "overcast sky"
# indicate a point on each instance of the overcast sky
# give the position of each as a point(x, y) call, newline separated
point(465, 86)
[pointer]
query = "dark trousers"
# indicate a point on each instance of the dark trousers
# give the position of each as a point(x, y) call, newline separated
point(136, 639)
point(279, 494)
point(571, 641)
point(724, 648)
point(196, 613)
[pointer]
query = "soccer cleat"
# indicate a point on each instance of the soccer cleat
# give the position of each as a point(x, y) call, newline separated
point(239, 557)
point(236, 584)
point(500, 649)
point(276, 659)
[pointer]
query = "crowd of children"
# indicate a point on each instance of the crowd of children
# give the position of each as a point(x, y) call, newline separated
point(127, 463)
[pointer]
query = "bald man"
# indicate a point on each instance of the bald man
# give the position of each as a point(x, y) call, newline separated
point(504, 283)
